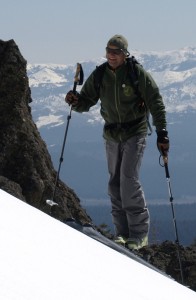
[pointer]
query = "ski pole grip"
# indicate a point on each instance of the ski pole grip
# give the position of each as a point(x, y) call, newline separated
point(77, 77)
point(74, 87)
point(165, 159)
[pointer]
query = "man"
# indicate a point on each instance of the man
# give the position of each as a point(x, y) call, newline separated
point(125, 134)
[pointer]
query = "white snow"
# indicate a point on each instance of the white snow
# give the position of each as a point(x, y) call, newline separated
point(42, 258)
point(166, 78)
point(46, 76)
point(51, 120)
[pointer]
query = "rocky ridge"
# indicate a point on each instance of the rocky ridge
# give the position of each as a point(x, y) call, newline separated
point(26, 169)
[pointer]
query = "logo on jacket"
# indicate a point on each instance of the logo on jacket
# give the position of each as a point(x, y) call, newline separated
point(127, 89)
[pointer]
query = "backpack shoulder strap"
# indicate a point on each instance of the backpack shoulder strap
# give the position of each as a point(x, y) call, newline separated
point(98, 76)
point(133, 73)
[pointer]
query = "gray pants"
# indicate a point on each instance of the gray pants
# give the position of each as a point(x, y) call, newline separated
point(129, 212)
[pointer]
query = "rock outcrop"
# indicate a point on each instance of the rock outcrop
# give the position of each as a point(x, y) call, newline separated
point(26, 169)
point(167, 257)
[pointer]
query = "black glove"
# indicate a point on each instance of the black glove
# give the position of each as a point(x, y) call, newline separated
point(72, 98)
point(163, 142)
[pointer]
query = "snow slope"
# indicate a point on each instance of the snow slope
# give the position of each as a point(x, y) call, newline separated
point(42, 259)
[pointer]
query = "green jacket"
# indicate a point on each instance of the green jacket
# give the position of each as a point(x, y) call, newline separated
point(120, 104)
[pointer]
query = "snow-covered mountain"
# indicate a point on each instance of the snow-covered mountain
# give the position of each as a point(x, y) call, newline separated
point(175, 73)
point(42, 258)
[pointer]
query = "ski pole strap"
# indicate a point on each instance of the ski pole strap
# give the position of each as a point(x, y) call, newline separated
point(165, 165)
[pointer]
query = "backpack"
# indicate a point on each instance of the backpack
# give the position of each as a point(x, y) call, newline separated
point(131, 61)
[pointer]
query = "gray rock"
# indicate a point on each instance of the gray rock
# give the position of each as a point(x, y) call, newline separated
point(26, 168)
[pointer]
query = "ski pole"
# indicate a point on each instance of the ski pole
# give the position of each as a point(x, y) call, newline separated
point(78, 80)
point(165, 160)
point(62, 152)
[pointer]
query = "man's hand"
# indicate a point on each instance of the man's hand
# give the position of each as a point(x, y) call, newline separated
point(163, 142)
point(72, 98)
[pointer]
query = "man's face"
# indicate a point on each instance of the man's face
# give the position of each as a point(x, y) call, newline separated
point(115, 56)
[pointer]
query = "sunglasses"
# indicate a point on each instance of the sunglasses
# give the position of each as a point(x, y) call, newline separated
point(113, 51)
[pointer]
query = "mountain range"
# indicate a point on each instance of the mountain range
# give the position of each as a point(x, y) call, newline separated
point(84, 157)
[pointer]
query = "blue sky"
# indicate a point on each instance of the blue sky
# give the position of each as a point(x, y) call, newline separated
point(70, 31)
